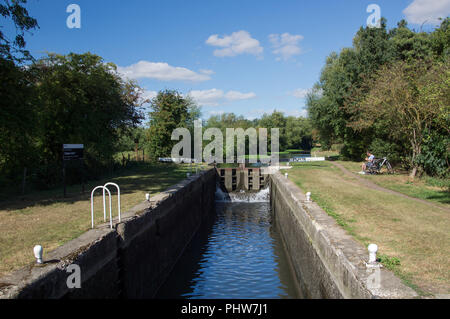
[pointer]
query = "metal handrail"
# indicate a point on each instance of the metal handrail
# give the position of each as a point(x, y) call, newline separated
point(104, 205)
point(118, 195)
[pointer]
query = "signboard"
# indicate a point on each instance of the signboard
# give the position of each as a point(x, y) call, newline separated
point(73, 152)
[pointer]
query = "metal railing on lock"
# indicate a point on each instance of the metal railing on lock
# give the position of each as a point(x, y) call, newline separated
point(105, 189)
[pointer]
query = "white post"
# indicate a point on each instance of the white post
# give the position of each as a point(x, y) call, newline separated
point(308, 196)
point(372, 253)
point(38, 251)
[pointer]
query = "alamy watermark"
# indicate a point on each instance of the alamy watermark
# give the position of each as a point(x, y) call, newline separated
point(374, 277)
point(74, 279)
point(214, 151)
point(74, 19)
point(374, 20)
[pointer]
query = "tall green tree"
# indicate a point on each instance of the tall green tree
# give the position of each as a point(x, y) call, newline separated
point(298, 133)
point(410, 99)
point(170, 110)
point(82, 99)
point(18, 120)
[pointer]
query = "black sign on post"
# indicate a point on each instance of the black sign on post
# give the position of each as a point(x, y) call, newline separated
point(71, 152)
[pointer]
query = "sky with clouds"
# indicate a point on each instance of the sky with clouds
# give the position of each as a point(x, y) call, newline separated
point(248, 57)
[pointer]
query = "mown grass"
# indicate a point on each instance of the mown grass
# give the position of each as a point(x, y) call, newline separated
point(426, 188)
point(48, 219)
point(413, 238)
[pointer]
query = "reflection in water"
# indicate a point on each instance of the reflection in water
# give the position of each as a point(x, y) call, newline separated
point(238, 255)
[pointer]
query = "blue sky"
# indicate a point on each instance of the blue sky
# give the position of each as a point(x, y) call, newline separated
point(246, 57)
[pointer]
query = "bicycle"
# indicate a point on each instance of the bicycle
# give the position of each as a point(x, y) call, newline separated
point(377, 165)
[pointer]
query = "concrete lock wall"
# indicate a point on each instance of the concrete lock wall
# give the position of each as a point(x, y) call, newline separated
point(133, 259)
point(328, 263)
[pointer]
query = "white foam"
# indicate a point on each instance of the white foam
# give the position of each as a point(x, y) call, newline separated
point(243, 197)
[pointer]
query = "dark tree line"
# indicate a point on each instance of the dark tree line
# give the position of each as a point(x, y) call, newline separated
point(73, 99)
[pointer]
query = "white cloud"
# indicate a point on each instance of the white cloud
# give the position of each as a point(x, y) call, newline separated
point(237, 43)
point(207, 72)
point(215, 97)
point(161, 71)
point(427, 11)
point(286, 45)
point(207, 97)
point(236, 96)
point(300, 93)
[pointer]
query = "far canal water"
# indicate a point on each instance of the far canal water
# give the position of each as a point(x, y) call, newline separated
point(239, 254)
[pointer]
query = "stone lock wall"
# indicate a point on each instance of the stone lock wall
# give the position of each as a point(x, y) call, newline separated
point(327, 262)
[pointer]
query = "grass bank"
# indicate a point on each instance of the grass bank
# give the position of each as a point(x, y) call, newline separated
point(47, 219)
point(428, 188)
point(413, 238)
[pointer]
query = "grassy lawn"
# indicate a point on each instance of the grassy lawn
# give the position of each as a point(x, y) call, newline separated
point(413, 238)
point(422, 188)
point(47, 219)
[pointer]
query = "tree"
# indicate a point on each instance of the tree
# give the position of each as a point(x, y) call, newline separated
point(18, 120)
point(409, 45)
point(344, 78)
point(410, 99)
point(298, 133)
point(81, 99)
point(274, 120)
point(13, 50)
point(440, 39)
point(170, 110)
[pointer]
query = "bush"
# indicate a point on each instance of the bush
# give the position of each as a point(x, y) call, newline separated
point(435, 153)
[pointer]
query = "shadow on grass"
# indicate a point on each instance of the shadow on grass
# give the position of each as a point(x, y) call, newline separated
point(333, 158)
point(441, 197)
point(154, 178)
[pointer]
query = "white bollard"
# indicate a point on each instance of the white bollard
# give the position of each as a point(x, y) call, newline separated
point(372, 253)
point(308, 196)
point(147, 197)
point(38, 251)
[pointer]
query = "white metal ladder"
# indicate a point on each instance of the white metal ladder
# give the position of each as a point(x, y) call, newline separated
point(105, 189)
